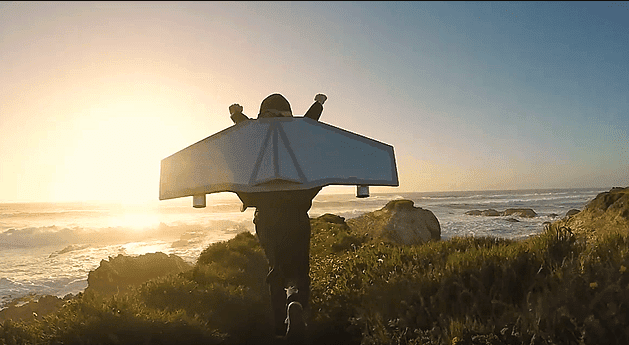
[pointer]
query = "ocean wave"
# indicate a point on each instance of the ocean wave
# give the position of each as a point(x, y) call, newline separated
point(52, 235)
point(10, 289)
point(49, 214)
point(70, 248)
point(530, 200)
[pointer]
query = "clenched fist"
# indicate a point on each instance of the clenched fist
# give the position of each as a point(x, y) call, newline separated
point(235, 109)
point(320, 98)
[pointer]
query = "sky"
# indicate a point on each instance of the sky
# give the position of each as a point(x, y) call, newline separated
point(471, 95)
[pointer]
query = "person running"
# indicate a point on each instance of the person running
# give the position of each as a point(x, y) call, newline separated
point(283, 229)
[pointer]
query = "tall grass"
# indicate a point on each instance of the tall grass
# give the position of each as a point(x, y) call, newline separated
point(553, 288)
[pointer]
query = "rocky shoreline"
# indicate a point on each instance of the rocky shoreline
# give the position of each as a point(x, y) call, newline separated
point(381, 237)
point(399, 221)
point(115, 275)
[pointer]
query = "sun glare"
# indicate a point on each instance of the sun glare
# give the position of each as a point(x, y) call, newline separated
point(116, 153)
point(136, 220)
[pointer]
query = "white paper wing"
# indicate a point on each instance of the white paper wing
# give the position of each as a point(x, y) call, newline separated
point(277, 154)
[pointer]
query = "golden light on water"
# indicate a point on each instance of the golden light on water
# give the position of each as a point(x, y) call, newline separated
point(136, 221)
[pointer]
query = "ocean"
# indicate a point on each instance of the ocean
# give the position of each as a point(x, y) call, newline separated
point(49, 248)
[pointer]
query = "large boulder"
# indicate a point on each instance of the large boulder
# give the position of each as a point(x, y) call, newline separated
point(613, 204)
point(607, 212)
point(400, 222)
point(119, 274)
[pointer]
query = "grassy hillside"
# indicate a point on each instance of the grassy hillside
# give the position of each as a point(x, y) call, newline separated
point(554, 288)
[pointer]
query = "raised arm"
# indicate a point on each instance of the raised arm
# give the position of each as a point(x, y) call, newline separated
point(236, 113)
point(317, 107)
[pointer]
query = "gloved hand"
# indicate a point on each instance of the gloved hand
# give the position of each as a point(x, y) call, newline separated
point(235, 109)
point(314, 112)
point(236, 113)
point(321, 98)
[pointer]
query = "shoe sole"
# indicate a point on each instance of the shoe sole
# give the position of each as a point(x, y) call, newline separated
point(296, 323)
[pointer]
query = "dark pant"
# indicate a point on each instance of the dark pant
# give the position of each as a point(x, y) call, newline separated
point(284, 233)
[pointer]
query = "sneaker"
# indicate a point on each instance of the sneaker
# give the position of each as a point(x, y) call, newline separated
point(296, 330)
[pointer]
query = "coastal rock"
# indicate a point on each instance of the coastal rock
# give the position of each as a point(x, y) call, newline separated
point(516, 212)
point(490, 213)
point(119, 274)
point(519, 212)
point(572, 212)
point(614, 203)
point(331, 218)
point(332, 235)
point(400, 222)
point(68, 249)
point(32, 307)
point(607, 212)
point(474, 213)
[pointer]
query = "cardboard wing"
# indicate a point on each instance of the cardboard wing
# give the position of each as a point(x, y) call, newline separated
point(273, 154)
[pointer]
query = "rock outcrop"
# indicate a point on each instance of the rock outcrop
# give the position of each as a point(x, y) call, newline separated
point(331, 235)
point(572, 212)
point(330, 218)
point(516, 212)
point(608, 212)
point(400, 222)
point(520, 212)
point(32, 307)
point(119, 274)
point(490, 213)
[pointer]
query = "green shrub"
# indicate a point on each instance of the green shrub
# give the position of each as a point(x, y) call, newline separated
point(91, 319)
